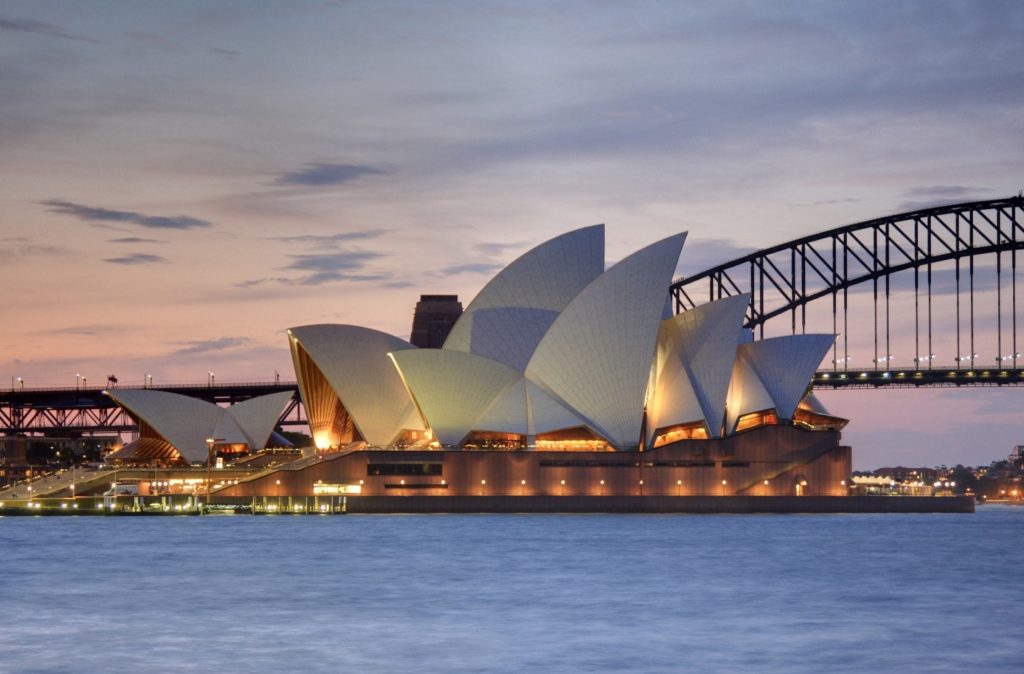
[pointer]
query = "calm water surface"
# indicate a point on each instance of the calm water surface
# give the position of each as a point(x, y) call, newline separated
point(549, 593)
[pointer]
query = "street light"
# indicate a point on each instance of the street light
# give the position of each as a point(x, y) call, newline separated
point(78, 380)
point(148, 381)
point(210, 378)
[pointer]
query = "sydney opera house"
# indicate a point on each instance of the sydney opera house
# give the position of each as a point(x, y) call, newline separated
point(561, 377)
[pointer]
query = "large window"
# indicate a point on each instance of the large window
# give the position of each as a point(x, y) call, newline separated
point(403, 468)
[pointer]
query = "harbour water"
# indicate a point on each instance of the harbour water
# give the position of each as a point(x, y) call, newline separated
point(512, 593)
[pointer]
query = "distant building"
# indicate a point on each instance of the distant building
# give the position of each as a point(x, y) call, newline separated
point(434, 318)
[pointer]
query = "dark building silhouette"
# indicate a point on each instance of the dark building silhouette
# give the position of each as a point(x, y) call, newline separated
point(433, 320)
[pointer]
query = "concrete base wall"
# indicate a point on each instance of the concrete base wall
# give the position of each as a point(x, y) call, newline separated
point(660, 504)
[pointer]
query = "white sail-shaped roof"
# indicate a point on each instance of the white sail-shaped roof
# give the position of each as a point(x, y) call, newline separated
point(354, 361)
point(812, 403)
point(182, 421)
point(507, 414)
point(696, 350)
point(228, 432)
point(452, 389)
point(597, 355)
point(186, 423)
point(544, 279)
point(509, 334)
point(258, 416)
point(746, 394)
point(785, 366)
point(549, 414)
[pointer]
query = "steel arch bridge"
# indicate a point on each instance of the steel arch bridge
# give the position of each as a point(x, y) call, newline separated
point(829, 266)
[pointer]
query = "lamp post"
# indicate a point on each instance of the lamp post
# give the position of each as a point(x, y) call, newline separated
point(210, 442)
point(148, 382)
point(210, 379)
point(78, 380)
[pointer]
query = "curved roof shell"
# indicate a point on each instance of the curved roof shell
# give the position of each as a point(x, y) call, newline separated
point(510, 315)
point(785, 366)
point(182, 421)
point(596, 356)
point(186, 423)
point(453, 389)
point(257, 417)
point(354, 362)
point(746, 394)
point(696, 350)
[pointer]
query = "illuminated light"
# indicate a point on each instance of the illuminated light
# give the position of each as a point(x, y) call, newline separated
point(725, 482)
point(74, 506)
point(679, 481)
point(766, 483)
point(842, 482)
point(483, 481)
point(602, 481)
point(277, 482)
point(563, 481)
point(360, 482)
point(403, 481)
point(803, 483)
point(523, 482)
point(641, 481)
point(63, 505)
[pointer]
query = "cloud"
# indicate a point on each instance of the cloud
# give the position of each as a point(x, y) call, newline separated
point(329, 262)
point(87, 330)
point(344, 265)
point(323, 174)
point(471, 268)
point(17, 25)
point(227, 53)
point(133, 239)
point(15, 248)
point(829, 202)
point(918, 198)
point(91, 213)
point(322, 240)
point(137, 258)
point(210, 345)
point(499, 248)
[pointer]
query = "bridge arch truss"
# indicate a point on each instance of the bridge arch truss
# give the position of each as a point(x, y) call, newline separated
point(784, 279)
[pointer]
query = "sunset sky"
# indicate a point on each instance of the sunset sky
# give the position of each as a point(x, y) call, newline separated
point(180, 182)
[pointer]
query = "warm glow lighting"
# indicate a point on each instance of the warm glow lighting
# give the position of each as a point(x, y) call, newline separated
point(724, 482)
point(523, 482)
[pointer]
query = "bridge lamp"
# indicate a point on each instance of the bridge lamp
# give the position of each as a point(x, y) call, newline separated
point(78, 380)
point(21, 383)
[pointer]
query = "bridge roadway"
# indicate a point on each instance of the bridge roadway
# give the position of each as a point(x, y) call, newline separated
point(916, 378)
